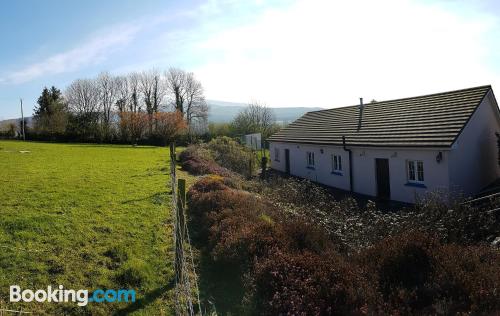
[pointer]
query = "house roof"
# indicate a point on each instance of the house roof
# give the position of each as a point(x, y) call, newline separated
point(433, 120)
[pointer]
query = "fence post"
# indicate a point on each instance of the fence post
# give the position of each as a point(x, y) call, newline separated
point(181, 202)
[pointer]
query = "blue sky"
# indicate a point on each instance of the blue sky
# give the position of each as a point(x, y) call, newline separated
point(283, 53)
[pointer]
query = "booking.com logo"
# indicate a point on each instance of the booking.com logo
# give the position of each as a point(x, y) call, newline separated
point(62, 295)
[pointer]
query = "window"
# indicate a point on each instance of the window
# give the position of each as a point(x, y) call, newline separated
point(276, 154)
point(415, 171)
point(310, 159)
point(336, 163)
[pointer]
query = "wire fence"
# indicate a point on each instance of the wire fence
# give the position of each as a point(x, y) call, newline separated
point(187, 295)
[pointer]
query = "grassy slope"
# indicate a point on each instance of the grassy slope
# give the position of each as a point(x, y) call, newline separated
point(77, 211)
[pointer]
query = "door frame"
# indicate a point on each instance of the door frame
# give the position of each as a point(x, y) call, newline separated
point(287, 161)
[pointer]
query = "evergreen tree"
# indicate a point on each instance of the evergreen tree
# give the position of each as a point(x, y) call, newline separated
point(51, 114)
point(48, 102)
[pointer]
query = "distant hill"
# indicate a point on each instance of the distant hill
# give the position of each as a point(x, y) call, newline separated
point(4, 125)
point(221, 111)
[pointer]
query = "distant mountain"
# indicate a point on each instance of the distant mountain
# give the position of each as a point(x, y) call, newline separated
point(4, 125)
point(221, 111)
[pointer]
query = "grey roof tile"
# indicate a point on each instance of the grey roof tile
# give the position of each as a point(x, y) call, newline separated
point(433, 120)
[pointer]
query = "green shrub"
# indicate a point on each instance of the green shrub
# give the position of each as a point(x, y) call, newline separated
point(233, 156)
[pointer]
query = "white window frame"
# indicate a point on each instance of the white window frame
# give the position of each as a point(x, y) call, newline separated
point(336, 163)
point(310, 159)
point(276, 154)
point(415, 169)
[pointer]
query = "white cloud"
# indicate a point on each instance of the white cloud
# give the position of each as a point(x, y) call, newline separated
point(93, 51)
point(329, 53)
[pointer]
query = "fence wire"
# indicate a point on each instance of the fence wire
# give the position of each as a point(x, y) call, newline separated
point(187, 295)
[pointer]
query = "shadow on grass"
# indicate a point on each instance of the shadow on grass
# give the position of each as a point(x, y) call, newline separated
point(156, 198)
point(148, 298)
point(93, 145)
point(220, 286)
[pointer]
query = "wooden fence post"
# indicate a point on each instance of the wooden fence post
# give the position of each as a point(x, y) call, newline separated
point(181, 203)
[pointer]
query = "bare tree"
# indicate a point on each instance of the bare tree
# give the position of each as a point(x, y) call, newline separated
point(159, 90)
point(256, 118)
point(133, 82)
point(82, 96)
point(108, 95)
point(123, 93)
point(175, 79)
point(195, 105)
point(186, 95)
point(146, 84)
point(153, 92)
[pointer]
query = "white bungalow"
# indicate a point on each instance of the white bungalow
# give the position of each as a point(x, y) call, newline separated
point(397, 149)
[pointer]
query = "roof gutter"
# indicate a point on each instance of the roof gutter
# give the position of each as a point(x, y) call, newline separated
point(351, 184)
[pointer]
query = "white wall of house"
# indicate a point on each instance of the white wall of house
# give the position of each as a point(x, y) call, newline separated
point(436, 174)
point(474, 158)
point(364, 172)
point(322, 171)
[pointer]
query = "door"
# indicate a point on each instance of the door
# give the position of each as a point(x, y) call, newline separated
point(287, 161)
point(383, 180)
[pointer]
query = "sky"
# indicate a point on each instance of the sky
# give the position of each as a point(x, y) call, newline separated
point(283, 53)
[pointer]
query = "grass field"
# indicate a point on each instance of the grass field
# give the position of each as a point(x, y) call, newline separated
point(86, 217)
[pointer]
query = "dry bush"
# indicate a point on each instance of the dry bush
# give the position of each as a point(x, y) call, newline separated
point(198, 160)
point(302, 252)
point(449, 218)
point(168, 125)
point(133, 125)
point(305, 283)
point(416, 274)
point(212, 194)
point(242, 236)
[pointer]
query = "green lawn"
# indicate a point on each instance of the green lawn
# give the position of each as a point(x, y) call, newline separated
point(86, 217)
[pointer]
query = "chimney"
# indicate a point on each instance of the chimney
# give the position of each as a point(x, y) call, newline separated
point(361, 106)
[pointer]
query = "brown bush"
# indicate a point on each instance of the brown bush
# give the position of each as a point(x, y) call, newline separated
point(293, 267)
point(168, 125)
point(199, 161)
point(416, 274)
point(467, 279)
point(308, 284)
point(241, 236)
point(306, 236)
point(212, 195)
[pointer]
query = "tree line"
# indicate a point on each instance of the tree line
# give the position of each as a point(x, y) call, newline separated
point(148, 107)
point(140, 107)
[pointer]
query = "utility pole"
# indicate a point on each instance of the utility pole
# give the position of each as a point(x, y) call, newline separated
point(22, 120)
